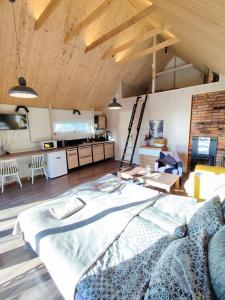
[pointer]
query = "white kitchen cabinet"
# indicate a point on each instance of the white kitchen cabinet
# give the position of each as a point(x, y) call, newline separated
point(39, 124)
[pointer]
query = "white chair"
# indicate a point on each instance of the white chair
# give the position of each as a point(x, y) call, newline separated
point(9, 168)
point(37, 166)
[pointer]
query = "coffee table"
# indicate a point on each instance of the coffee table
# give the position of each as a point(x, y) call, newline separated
point(158, 180)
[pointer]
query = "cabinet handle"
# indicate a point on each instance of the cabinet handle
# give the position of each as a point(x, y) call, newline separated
point(58, 157)
point(85, 156)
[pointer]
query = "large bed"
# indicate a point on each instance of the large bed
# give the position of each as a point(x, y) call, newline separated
point(133, 243)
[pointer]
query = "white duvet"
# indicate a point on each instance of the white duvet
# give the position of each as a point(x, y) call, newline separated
point(69, 247)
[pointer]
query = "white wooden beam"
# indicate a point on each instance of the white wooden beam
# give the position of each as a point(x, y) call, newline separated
point(77, 28)
point(128, 23)
point(53, 4)
point(148, 51)
point(186, 66)
point(132, 43)
point(154, 66)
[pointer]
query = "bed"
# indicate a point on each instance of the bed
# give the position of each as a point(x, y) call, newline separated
point(133, 243)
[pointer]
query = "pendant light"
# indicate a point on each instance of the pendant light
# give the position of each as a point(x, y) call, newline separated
point(21, 90)
point(114, 104)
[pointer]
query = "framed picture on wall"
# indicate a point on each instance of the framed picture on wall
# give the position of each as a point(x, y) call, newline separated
point(156, 129)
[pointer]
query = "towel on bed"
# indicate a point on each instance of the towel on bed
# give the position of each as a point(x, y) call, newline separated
point(66, 208)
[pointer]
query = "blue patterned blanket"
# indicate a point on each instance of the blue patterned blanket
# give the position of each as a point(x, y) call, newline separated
point(148, 262)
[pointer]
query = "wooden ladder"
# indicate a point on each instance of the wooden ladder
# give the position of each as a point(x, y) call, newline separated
point(130, 128)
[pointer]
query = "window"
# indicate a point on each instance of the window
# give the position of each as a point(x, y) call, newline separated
point(73, 126)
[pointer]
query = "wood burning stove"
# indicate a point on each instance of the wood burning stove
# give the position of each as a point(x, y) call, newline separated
point(203, 151)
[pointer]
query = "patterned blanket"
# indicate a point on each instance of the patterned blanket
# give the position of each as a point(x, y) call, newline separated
point(147, 262)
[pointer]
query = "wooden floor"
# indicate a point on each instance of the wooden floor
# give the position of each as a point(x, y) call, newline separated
point(22, 274)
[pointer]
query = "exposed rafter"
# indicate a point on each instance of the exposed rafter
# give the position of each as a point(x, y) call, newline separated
point(134, 41)
point(186, 66)
point(77, 28)
point(148, 51)
point(53, 4)
point(133, 20)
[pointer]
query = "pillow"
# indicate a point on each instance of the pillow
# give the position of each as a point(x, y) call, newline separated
point(205, 218)
point(173, 225)
point(175, 206)
point(168, 160)
point(216, 260)
point(181, 272)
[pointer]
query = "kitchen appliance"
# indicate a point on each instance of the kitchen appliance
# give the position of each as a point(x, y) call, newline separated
point(204, 150)
point(108, 135)
point(56, 163)
point(46, 145)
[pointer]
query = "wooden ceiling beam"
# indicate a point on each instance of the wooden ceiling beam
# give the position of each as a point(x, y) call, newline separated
point(133, 20)
point(53, 4)
point(148, 51)
point(134, 42)
point(77, 28)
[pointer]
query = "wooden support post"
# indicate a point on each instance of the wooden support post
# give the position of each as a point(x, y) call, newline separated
point(154, 66)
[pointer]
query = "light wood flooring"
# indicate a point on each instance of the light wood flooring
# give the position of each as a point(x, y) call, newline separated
point(22, 274)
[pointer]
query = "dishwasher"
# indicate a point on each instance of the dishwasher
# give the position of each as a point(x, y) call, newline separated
point(56, 163)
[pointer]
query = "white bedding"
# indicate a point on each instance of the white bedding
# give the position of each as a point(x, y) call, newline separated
point(69, 247)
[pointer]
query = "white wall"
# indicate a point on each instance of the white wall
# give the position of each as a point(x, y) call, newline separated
point(179, 79)
point(174, 107)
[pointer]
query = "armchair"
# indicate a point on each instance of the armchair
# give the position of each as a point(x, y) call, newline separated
point(169, 162)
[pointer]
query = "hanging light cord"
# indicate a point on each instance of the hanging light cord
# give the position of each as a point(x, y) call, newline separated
point(17, 43)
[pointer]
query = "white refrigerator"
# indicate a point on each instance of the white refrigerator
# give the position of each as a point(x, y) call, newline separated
point(56, 163)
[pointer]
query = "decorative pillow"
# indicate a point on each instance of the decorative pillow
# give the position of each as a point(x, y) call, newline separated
point(173, 225)
point(175, 206)
point(216, 259)
point(168, 160)
point(181, 272)
point(205, 218)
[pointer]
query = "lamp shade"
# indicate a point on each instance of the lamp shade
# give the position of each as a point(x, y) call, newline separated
point(114, 105)
point(22, 91)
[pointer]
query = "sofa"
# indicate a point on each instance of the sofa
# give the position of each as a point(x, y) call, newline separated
point(205, 181)
point(169, 162)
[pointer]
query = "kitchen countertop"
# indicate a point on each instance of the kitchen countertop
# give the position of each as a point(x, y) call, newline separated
point(36, 152)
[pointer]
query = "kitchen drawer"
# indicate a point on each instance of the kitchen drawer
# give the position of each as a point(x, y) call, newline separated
point(98, 152)
point(84, 151)
point(72, 160)
point(109, 150)
point(85, 160)
point(71, 151)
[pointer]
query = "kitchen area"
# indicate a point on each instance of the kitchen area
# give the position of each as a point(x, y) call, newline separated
point(64, 154)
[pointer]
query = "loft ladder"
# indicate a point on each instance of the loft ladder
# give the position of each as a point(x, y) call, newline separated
point(130, 135)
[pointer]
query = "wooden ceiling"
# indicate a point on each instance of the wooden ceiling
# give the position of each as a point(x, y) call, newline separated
point(66, 46)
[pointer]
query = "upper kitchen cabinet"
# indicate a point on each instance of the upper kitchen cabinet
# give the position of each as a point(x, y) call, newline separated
point(100, 122)
point(39, 123)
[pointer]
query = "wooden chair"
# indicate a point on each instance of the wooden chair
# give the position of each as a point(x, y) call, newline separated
point(9, 168)
point(37, 166)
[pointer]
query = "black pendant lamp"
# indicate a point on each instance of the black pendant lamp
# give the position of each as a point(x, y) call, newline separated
point(114, 104)
point(21, 90)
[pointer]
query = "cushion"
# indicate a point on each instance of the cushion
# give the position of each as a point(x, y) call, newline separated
point(205, 217)
point(181, 272)
point(168, 160)
point(216, 260)
point(173, 225)
point(175, 206)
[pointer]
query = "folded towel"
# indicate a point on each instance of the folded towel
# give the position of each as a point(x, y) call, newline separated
point(111, 186)
point(66, 208)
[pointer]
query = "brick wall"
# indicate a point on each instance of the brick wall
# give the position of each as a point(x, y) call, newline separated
point(208, 119)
